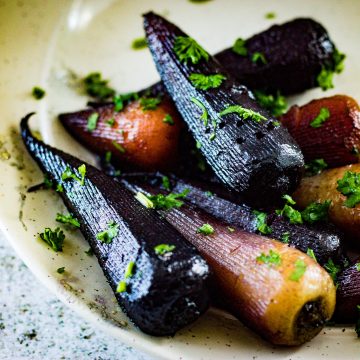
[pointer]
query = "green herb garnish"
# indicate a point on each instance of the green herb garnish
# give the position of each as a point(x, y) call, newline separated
point(289, 212)
point(349, 186)
point(38, 93)
point(258, 58)
point(357, 325)
point(243, 112)
point(121, 99)
point(261, 224)
point(276, 104)
point(205, 229)
point(273, 258)
point(110, 122)
point(47, 183)
point(97, 87)
point(357, 265)
point(230, 229)
point(61, 270)
point(332, 269)
point(167, 202)
point(109, 234)
point(108, 156)
point(67, 219)
point(320, 119)
point(92, 121)
point(165, 182)
point(139, 43)
point(325, 79)
point(206, 82)
point(119, 147)
point(68, 174)
point(299, 271)
point(144, 200)
point(239, 47)
point(121, 287)
point(285, 237)
point(315, 212)
point(187, 49)
point(212, 136)
point(310, 252)
point(338, 59)
point(54, 238)
point(168, 119)
point(129, 271)
point(150, 103)
point(89, 252)
point(315, 167)
point(163, 249)
point(289, 199)
point(270, 15)
point(204, 116)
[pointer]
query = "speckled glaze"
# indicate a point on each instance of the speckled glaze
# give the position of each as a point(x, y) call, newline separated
point(164, 293)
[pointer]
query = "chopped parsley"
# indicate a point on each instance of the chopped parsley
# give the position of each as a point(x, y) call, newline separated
point(212, 136)
point(316, 211)
point(209, 193)
point(92, 121)
point(289, 199)
point(119, 147)
point(68, 174)
point(299, 270)
point(320, 119)
point(289, 212)
point(276, 104)
point(97, 87)
point(187, 49)
point(109, 234)
point(61, 270)
point(139, 43)
point(121, 287)
point(285, 237)
point(38, 93)
point(150, 103)
point(339, 59)
point(243, 112)
point(165, 182)
point(144, 200)
point(231, 229)
point(349, 186)
point(129, 271)
point(121, 99)
point(47, 183)
point(163, 249)
point(332, 269)
point(204, 116)
point(89, 252)
point(110, 122)
point(239, 47)
point(198, 144)
point(206, 82)
point(270, 15)
point(315, 167)
point(357, 325)
point(258, 58)
point(54, 238)
point(273, 258)
point(261, 224)
point(205, 229)
point(310, 252)
point(168, 119)
point(357, 265)
point(108, 156)
point(167, 202)
point(67, 219)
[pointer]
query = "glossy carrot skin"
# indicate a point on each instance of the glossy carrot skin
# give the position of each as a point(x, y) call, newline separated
point(147, 142)
point(337, 141)
point(263, 296)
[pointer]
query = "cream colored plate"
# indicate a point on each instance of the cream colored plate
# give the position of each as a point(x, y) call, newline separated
point(40, 43)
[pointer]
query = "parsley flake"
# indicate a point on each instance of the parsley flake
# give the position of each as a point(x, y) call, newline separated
point(299, 271)
point(239, 47)
point(276, 104)
point(89, 252)
point(122, 99)
point(285, 237)
point(68, 174)
point(187, 49)
point(258, 58)
point(108, 156)
point(289, 199)
point(270, 15)
point(38, 93)
point(163, 249)
point(206, 82)
point(61, 270)
point(97, 87)
point(273, 258)
point(205, 229)
point(320, 119)
point(310, 252)
point(121, 287)
point(315, 212)
point(67, 219)
point(150, 103)
point(110, 122)
point(129, 271)
point(357, 265)
point(109, 234)
point(144, 200)
point(54, 238)
point(119, 147)
point(357, 325)
point(167, 202)
point(261, 224)
point(139, 43)
point(325, 79)
point(92, 121)
point(204, 116)
point(230, 229)
point(168, 119)
point(332, 269)
point(165, 182)
point(289, 212)
point(315, 167)
point(349, 186)
point(243, 112)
